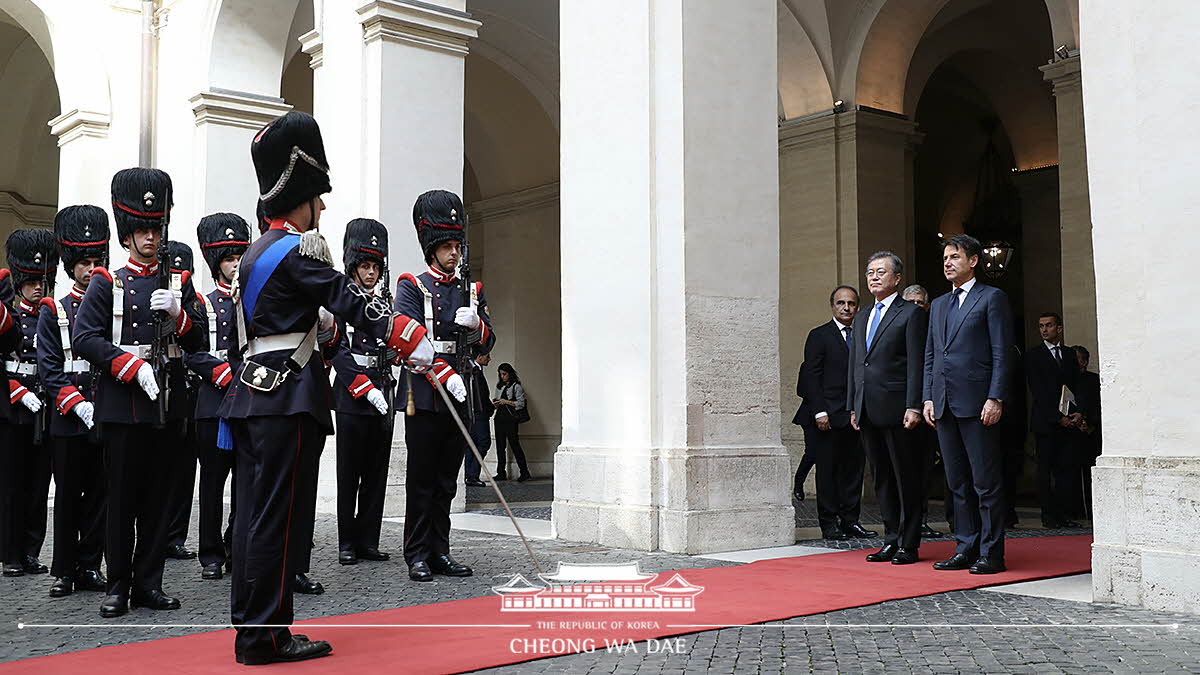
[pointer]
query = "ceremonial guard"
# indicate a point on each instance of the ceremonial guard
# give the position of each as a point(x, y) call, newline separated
point(78, 458)
point(223, 239)
point(363, 398)
point(183, 474)
point(10, 339)
point(278, 403)
point(456, 324)
point(32, 257)
point(129, 319)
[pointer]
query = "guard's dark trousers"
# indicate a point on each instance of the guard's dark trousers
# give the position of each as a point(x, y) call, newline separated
point(435, 451)
point(183, 486)
point(364, 451)
point(215, 467)
point(79, 505)
point(137, 458)
point(273, 454)
point(26, 485)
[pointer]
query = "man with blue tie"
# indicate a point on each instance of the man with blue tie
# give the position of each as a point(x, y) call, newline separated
point(967, 375)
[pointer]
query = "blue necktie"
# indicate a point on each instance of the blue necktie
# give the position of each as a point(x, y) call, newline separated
point(849, 338)
point(874, 323)
point(950, 313)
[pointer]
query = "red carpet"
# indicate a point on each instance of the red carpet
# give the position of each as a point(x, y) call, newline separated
point(755, 593)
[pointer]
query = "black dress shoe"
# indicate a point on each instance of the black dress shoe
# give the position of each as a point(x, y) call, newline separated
point(905, 556)
point(419, 571)
point(347, 558)
point(63, 586)
point(986, 566)
point(928, 532)
point(475, 482)
point(212, 571)
point(856, 530)
point(500, 476)
point(1069, 525)
point(958, 561)
point(179, 552)
point(445, 565)
point(155, 599)
point(834, 535)
point(302, 584)
point(114, 606)
point(884, 554)
point(293, 650)
point(523, 477)
point(90, 580)
point(374, 554)
point(13, 570)
point(32, 565)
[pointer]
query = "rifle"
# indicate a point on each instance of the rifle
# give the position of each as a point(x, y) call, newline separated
point(461, 349)
point(164, 329)
point(383, 359)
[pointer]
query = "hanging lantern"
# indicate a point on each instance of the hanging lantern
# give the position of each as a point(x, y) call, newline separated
point(996, 258)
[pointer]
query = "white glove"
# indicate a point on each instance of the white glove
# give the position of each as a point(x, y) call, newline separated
point(85, 411)
point(454, 384)
point(423, 354)
point(165, 300)
point(31, 401)
point(377, 399)
point(324, 319)
point(467, 317)
point(145, 380)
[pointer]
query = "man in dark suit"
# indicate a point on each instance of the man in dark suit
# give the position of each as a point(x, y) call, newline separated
point(884, 397)
point(828, 436)
point(481, 430)
point(1088, 440)
point(967, 377)
point(1050, 366)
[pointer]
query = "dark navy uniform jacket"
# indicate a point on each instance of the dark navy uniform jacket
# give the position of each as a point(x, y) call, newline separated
point(353, 380)
point(10, 339)
point(64, 390)
point(213, 368)
point(26, 354)
point(119, 399)
point(446, 297)
point(288, 302)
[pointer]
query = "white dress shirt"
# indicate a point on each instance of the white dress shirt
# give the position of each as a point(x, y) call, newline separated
point(966, 288)
point(887, 302)
point(1052, 346)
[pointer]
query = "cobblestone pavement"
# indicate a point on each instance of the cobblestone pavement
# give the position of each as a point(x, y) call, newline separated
point(797, 648)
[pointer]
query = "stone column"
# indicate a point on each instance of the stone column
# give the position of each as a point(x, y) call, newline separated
point(669, 197)
point(226, 122)
point(845, 191)
point(1075, 213)
point(1142, 168)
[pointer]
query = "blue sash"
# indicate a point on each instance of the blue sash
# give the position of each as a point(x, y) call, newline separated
point(263, 268)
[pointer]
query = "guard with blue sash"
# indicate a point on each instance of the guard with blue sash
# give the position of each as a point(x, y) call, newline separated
point(277, 406)
point(122, 315)
point(223, 238)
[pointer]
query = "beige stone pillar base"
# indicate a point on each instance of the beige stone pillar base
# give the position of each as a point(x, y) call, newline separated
point(1145, 514)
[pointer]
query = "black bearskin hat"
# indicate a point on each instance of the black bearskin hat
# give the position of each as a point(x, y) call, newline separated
point(289, 158)
point(438, 216)
point(82, 232)
point(32, 256)
point(264, 221)
point(179, 255)
point(140, 199)
point(365, 240)
point(221, 235)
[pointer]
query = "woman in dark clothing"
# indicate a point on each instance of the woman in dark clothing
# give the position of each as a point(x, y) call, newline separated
point(510, 404)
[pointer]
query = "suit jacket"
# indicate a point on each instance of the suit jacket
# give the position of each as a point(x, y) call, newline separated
point(1046, 377)
point(968, 361)
point(482, 393)
point(885, 379)
point(65, 390)
point(822, 379)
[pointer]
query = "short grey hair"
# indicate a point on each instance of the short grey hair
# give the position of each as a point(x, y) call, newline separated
point(897, 265)
point(915, 289)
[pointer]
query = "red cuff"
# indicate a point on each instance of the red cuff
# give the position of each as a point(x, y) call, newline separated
point(6, 320)
point(440, 370)
point(360, 386)
point(15, 391)
point(404, 335)
point(336, 336)
point(183, 324)
point(68, 396)
point(483, 331)
point(125, 367)
point(221, 376)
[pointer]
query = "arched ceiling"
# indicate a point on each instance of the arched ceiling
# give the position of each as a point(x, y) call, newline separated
point(521, 36)
point(249, 44)
point(80, 76)
point(30, 100)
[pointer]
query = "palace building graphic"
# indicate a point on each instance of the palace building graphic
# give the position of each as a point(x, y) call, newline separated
point(598, 588)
